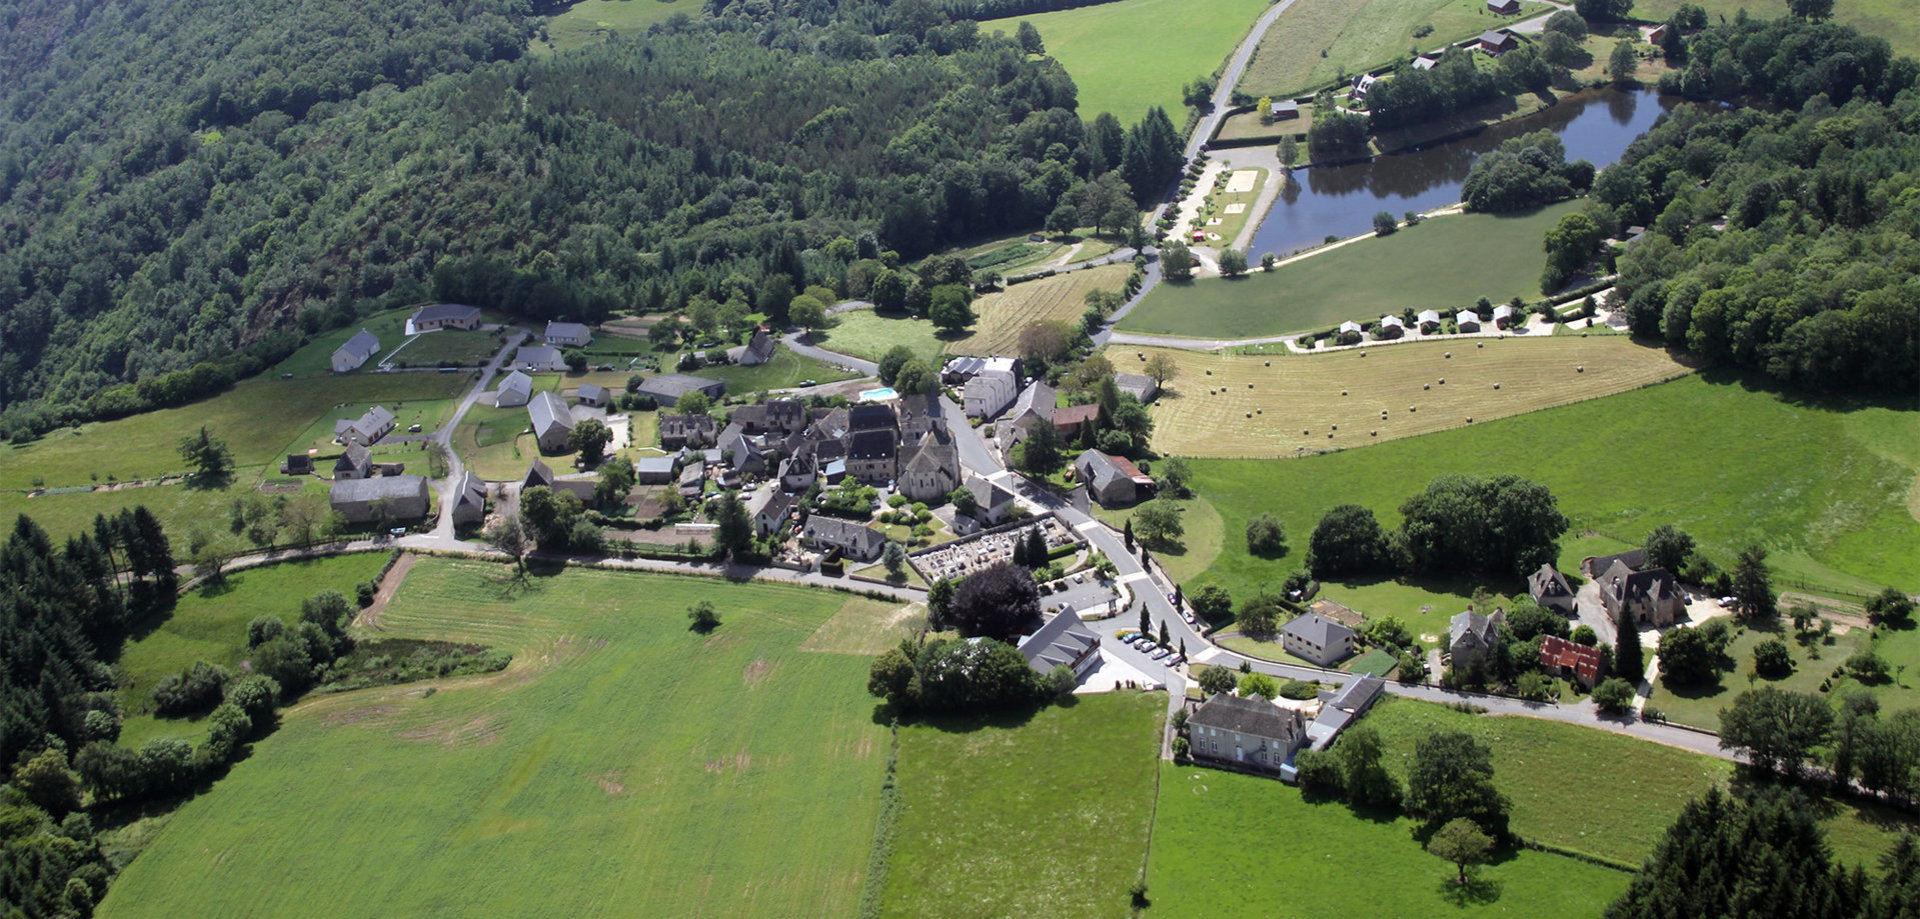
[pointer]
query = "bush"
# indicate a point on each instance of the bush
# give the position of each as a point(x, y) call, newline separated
point(1614, 695)
point(1867, 667)
point(1266, 536)
point(1299, 690)
point(194, 689)
point(1771, 660)
point(364, 592)
point(1318, 773)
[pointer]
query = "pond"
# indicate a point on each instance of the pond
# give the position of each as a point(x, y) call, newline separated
point(1341, 200)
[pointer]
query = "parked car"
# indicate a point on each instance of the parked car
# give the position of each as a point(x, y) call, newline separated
point(1188, 616)
point(1161, 654)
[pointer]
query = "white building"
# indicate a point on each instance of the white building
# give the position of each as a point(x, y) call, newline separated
point(568, 334)
point(990, 392)
point(356, 351)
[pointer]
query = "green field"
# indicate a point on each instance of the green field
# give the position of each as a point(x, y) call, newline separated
point(1825, 486)
point(1893, 20)
point(1356, 37)
point(1047, 816)
point(1444, 263)
point(621, 760)
point(1229, 845)
point(1700, 706)
point(785, 371)
point(865, 333)
point(1101, 48)
point(1598, 792)
point(210, 624)
point(589, 22)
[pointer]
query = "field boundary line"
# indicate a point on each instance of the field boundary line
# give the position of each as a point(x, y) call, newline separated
point(880, 855)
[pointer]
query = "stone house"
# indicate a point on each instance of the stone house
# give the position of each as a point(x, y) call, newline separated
point(1250, 733)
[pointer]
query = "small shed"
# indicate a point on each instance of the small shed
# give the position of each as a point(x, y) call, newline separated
point(1283, 110)
point(1503, 7)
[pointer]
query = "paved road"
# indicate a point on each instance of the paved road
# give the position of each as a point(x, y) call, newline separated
point(442, 536)
point(803, 349)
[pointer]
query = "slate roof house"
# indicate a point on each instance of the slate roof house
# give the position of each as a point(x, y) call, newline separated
point(797, 472)
point(444, 316)
point(366, 429)
point(693, 477)
point(1470, 636)
point(538, 359)
point(1652, 596)
point(994, 501)
point(570, 334)
point(1249, 733)
point(515, 389)
point(1503, 7)
point(1033, 405)
point(401, 497)
point(592, 395)
point(872, 456)
point(540, 473)
point(740, 450)
point(1577, 662)
point(470, 500)
point(1498, 41)
point(768, 509)
point(667, 388)
point(1316, 638)
point(1064, 641)
point(920, 413)
point(1550, 589)
point(853, 540)
point(356, 351)
point(1340, 707)
point(1593, 566)
point(758, 350)
point(779, 416)
point(677, 431)
point(989, 392)
point(930, 469)
point(1137, 385)
point(1112, 480)
point(355, 463)
point(552, 421)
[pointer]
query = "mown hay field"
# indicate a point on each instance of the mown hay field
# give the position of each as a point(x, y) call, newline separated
point(620, 760)
point(1252, 406)
point(1316, 42)
point(1061, 298)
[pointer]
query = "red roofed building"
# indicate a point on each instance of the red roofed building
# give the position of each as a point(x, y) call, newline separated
point(1068, 421)
point(1564, 658)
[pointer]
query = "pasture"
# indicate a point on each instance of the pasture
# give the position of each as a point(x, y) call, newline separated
point(1445, 263)
point(314, 359)
point(589, 22)
point(1814, 661)
point(869, 334)
point(1047, 815)
point(1825, 486)
point(1230, 845)
point(1318, 42)
point(784, 371)
point(1101, 48)
point(636, 759)
point(1539, 766)
point(1246, 405)
point(1061, 298)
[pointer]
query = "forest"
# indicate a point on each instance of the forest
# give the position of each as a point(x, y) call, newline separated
point(156, 228)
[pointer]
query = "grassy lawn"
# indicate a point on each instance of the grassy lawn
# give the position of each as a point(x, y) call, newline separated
point(1217, 201)
point(1824, 485)
point(621, 751)
point(1196, 549)
point(1248, 405)
point(210, 623)
point(468, 349)
point(785, 371)
point(1700, 705)
point(866, 333)
point(1544, 767)
point(1040, 816)
point(1444, 263)
point(1317, 42)
point(1100, 47)
point(1061, 298)
point(1229, 845)
point(589, 22)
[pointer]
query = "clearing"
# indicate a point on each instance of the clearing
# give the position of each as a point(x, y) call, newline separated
point(589, 22)
point(1319, 42)
point(1040, 815)
point(1061, 298)
point(1445, 263)
point(1246, 405)
point(620, 750)
point(1101, 48)
point(869, 334)
point(1823, 484)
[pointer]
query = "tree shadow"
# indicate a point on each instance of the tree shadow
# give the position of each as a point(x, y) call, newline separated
point(210, 481)
point(1477, 891)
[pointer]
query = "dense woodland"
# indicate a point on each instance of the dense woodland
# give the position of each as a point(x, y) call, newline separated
point(149, 226)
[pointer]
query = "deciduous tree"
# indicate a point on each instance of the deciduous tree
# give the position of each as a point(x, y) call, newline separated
point(1451, 777)
point(1461, 843)
point(995, 603)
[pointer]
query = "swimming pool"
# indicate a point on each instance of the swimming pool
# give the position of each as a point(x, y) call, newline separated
point(878, 395)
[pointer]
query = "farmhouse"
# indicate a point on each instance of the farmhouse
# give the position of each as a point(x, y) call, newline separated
point(872, 455)
point(394, 497)
point(1035, 404)
point(677, 431)
point(989, 392)
point(1073, 419)
point(469, 501)
point(693, 477)
point(540, 474)
point(853, 540)
point(1497, 42)
point(1550, 589)
point(568, 334)
point(758, 350)
point(443, 316)
point(1139, 386)
point(780, 416)
point(366, 429)
point(591, 395)
point(1564, 658)
point(552, 421)
point(1594, 566)
point(515, 389)
point(667, 388)
point(1361, 84)
point(1283, 110)
point(1063, 642)
point(768, 509)
point(355, 463)
point(741, 451)
point(1112, 480)
point(1504, 316)
point(930, 470)
point(1470, 636)
point(1338, 709)
point(1467, 321)
point(1249, 733)
point(653, 470)
point(538, 359)
point(1503, 7)
point(1651, 596)
point(356, 351)
point(1316, 638)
